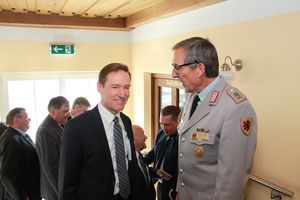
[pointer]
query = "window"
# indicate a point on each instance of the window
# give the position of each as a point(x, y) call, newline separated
point(33, 92)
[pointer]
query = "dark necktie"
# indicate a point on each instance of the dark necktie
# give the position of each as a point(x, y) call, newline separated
point(121, 160)
point(194, 105)
point(29, 139)
point(144, 169)
point(164, 145)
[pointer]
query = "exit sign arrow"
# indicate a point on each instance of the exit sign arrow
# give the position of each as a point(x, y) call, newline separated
point(62, 48)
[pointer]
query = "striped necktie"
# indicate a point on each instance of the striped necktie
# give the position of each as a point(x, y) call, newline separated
point(121, 160)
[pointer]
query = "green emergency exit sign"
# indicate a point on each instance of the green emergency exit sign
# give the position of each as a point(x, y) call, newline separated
point(62, 49)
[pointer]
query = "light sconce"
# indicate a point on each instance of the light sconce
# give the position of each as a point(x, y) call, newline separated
point(226, 69)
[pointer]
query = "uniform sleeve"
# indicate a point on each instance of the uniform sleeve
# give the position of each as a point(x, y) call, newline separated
point(237, 146)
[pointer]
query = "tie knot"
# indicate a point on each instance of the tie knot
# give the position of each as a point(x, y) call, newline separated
point(116, 119)
point(196, 99)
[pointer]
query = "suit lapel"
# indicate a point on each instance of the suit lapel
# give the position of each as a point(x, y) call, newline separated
point(100, 133)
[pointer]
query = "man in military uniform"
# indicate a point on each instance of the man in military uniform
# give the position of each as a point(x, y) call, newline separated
point(217, 135)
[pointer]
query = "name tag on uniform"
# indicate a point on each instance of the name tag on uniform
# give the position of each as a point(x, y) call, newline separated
point(201, 134)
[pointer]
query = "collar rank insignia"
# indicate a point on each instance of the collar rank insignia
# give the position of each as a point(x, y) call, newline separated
point(236, 95)
point(246, 125)
point(214, 98)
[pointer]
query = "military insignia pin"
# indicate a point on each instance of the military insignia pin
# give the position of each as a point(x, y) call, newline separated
point(199, 152)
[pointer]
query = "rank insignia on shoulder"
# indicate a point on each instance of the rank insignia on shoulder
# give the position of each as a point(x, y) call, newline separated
point(246, 125)
point(236, 95)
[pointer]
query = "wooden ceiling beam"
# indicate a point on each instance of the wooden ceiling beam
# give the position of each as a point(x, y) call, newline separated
point(32, 19)
point(164, 9)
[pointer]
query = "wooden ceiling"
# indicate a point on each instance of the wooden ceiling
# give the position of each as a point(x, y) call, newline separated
point(92, 14)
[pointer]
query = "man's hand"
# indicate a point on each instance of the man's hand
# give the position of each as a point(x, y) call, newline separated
point(164, 175)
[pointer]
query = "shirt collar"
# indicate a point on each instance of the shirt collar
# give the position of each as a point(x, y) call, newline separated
point(105, 114)
point(208, 89)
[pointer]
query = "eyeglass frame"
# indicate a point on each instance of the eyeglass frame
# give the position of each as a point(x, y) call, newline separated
point(177, 67)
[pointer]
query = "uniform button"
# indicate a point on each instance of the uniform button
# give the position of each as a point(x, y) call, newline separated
point(183, 139)
point(182, 184)
point(181, 170)
point(180, 155)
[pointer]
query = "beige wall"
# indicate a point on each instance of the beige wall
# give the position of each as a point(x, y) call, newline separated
point(270, 50)
point(31, 56)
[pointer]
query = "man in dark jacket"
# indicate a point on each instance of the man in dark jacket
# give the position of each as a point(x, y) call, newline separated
point(164, 154)
point(98, 159)
point(146, 184)
point(48, 140)
point(3, 127)
point(19, 163)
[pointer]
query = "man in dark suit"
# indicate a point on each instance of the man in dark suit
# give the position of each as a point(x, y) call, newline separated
point(48, 140)
point(20, 169)
point(3, 127)
point(90, 168)
point(164, 154)
point(146, 184)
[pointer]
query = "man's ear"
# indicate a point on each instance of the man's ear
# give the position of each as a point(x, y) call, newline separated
point(99, 87)
point(201, 69)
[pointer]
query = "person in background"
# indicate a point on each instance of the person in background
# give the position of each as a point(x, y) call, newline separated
point(19, 163)
point(164, 154)
point(79, 106)
point(146, 184)
point(3, 127)
point(48, 139)
point(218, 129)
point(98, 159)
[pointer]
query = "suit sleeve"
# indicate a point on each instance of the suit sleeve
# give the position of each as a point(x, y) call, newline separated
point(70, 162)
point(235, 153)
point(11, 168)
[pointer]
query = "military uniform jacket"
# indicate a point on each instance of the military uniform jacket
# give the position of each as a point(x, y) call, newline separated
point(216, 145)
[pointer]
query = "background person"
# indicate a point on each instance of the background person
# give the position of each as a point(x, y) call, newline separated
point(80, 105)
point(146, 184)
point(48, 139)
point(218, 130)
point(92, 166)
point(19, 163)
point(164, 154)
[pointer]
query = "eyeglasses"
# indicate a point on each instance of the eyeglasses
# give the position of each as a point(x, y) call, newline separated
point(177, 67)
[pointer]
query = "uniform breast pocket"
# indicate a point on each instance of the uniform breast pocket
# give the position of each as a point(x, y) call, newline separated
point(205, 151)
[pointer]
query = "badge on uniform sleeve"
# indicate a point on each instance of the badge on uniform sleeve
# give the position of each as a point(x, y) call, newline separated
point(246, 124)
point(199, 152)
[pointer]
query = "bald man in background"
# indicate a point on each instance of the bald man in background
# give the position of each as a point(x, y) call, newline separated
point(146, 184)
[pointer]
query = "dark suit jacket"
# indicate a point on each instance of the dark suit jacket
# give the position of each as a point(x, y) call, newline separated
point(86, 169)
point(3, 127)
point(48, 140)
point(20, 169)
point(147, 190)
point(170, 162)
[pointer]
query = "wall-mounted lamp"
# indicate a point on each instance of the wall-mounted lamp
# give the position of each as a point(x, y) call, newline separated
point(226, 69)
point(237, 64)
